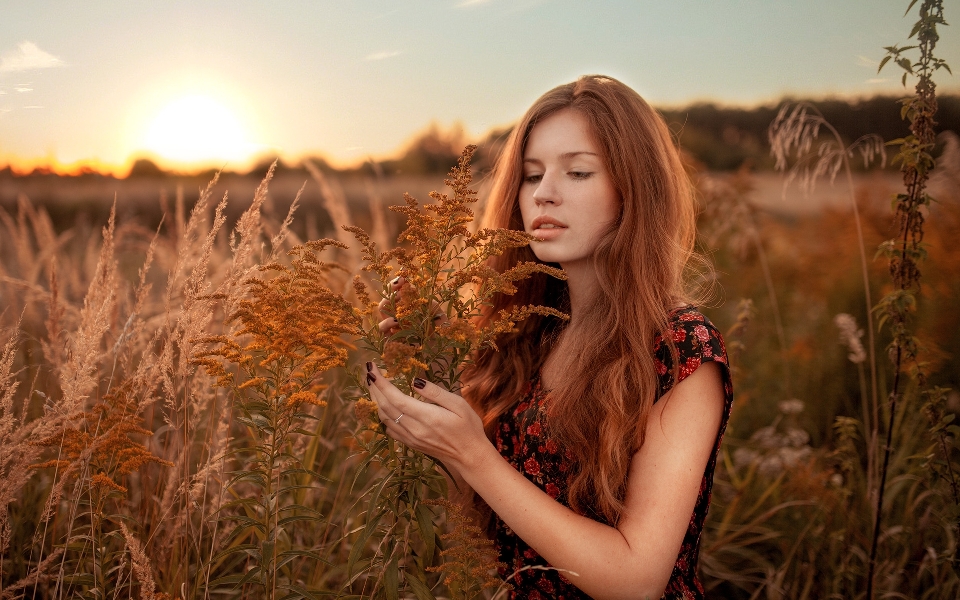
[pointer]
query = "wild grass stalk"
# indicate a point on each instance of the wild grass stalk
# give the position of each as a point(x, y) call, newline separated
point(793, 134)
point(905, 251)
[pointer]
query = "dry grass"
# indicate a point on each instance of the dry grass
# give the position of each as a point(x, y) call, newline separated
point(101, 329)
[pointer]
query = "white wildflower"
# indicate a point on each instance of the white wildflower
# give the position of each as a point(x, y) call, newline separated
point(850, 337)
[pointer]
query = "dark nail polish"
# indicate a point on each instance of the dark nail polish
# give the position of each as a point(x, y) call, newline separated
point(369, 366)
point(419, 383)
point(395, 280)
point(396, 321)
point(371, 378)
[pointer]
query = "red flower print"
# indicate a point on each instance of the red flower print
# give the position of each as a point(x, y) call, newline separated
point(534, 429)
point(531, 466)
point(679, 335)
point(530, 553)
point(702, 334)
point(551, 446)
point(689, 367)
point(708, 351)
point(689, 316)
point(661, 368)
point(552, 491)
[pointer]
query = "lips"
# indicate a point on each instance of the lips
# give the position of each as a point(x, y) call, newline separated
point(547, 228)
point(546, 223)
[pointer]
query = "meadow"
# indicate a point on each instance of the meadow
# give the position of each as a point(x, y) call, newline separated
point(181, 414)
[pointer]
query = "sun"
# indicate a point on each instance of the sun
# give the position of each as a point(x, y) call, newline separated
point(197, 129)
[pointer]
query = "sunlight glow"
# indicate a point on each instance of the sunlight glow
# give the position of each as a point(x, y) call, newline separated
point(195, 129)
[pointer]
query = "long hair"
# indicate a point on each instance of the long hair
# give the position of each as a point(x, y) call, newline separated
point(599, 406)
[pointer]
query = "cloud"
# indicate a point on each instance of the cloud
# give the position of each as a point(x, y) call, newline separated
point(878, 80)
point(469, 3)
point(33, 106)
point(864, 61)
point(382, 55)
point(27, 57)
point(23, 88)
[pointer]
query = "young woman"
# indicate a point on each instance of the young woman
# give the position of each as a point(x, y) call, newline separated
point(593, 441)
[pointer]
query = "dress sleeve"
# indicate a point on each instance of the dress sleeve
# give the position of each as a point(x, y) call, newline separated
point(697, 341)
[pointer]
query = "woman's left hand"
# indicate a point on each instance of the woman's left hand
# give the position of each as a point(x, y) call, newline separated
point(443, 426)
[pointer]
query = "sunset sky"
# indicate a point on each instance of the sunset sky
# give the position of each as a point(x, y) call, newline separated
point(205, 82)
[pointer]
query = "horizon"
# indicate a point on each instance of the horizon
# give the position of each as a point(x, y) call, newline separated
point(199, 85)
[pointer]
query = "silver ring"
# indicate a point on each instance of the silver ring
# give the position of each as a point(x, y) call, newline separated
point(397, 420)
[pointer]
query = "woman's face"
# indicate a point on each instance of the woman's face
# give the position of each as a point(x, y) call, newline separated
point(567, 198)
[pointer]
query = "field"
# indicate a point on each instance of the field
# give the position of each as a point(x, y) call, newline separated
point(93, 339)
point(182, 415)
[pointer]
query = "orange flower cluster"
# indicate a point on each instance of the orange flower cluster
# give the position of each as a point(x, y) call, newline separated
point(402, 358)
point(294, 326)
point(444, 267)
point(470, 561)
point(103, 434)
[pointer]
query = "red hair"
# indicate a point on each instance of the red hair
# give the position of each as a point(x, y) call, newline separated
point(599, 406)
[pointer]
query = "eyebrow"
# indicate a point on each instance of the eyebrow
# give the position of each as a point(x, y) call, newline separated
point(565, 155)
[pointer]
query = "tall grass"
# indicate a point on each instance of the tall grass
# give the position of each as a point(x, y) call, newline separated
point(181, 414)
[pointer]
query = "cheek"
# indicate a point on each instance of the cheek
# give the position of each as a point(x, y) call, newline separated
point(526, 209)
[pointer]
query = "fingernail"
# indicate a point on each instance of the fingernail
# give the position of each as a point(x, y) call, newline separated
point(395, 280)
point(369, 366)
point(437, 317)
point(419, 383)
point(371, 378)
point(395, 320)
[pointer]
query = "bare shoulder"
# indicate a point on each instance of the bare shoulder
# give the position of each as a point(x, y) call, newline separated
point(692, 410)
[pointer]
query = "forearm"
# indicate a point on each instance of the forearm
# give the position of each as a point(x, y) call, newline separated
point(605, 564)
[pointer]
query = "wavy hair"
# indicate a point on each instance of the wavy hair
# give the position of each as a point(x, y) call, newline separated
point(600, 404)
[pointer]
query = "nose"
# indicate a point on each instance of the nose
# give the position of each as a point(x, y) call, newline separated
point(546, 191)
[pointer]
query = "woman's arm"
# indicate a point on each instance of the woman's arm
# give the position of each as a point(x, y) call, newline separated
point(633, 560)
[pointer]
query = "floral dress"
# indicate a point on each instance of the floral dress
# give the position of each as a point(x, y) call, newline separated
point(522, 438)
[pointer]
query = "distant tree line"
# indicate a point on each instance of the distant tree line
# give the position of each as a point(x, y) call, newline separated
point(719, 138)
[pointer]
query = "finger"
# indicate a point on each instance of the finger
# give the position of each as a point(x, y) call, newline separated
point(389, 325)
point(397, 282)
point(385, 307)
point(384, 405)
point(393, 400)
point(441, 397)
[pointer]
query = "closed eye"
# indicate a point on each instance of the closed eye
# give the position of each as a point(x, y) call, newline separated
point(533, 178)
point(580, 174)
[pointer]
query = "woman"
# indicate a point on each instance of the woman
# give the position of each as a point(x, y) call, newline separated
point(594, 441)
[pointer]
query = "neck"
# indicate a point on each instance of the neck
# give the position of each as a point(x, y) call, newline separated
point(582, 286)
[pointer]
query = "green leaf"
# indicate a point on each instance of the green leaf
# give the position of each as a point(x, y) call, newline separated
point(304, 554)
point(295, 518)
point(427, 533)
point(419, 586)
point(249, 549)
point(884, 61)
point(391, 580)
point(912, 2)
point(361, 542)
point(249, 575)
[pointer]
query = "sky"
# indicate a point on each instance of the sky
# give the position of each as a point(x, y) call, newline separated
point(222, 83)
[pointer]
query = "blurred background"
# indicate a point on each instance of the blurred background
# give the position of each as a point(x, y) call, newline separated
point(140, 104)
